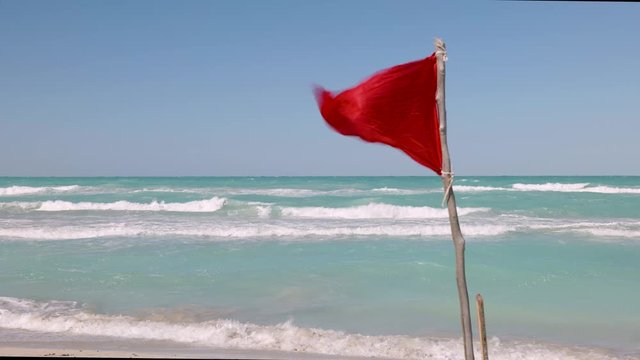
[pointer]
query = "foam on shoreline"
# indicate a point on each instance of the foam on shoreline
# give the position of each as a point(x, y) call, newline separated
point(68, 318)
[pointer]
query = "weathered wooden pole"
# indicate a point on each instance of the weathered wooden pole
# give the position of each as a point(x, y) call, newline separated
point(482, 327)
point(447, 181)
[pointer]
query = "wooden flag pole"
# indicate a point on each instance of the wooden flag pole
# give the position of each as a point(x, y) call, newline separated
point(447, 180)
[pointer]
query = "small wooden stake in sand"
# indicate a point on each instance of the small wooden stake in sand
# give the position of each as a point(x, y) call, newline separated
point(482, 328)
point(447, 181)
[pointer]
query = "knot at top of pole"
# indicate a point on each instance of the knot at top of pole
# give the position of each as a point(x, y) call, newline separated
point(441, 49)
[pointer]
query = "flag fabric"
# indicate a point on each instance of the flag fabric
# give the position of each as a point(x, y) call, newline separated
point(396, 106)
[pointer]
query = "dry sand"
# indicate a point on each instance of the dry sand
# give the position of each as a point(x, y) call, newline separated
point(150, 349)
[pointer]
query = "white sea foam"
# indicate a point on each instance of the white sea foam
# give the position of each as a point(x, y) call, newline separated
point(611, 190)
point(30, 190)
point(264, 211)
point(551, 187)
point(603, 229)
point(208, 205)
point(253, 231)
point(262, 225)
point(374, 211)
point(279, 192)
point(388, 190)
point(396, 191)
point(166, 190)
point(66, 317)
point(470, 188)
point(293, 192)
point(575, 187)
point(601, 232)
point(71, 232)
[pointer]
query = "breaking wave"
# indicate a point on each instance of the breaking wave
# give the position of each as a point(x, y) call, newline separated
point(395, 191)
point(629, 228)
point(316, 225)
point(67, 317)
point(375, 211)
point(255, 231)
point(552, 187)
point(29, 190)
point(294, 192)
point(600, 232)
point(209, 205)
point(470, 188)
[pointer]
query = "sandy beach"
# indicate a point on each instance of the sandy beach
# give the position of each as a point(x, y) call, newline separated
point(49, 352)
point(52, 345)
point(79, 352)
point(87, 350)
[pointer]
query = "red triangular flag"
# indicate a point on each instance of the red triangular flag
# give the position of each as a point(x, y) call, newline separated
point(396, 106)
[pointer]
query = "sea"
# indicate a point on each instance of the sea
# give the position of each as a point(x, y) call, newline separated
point(351, 266)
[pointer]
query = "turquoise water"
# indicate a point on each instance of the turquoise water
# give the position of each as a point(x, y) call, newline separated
point(556, 259)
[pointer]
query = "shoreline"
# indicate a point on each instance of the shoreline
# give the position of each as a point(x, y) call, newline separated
point(39, 344)
point(88, 350)
point(56, 346)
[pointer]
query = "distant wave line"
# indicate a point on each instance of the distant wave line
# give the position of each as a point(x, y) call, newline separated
point(263, 210)
point(17, 190)
point(299, 192)
point(552, 187)
point(375, 211)
point(248, 231)
point(208, 205)
point(312, 229)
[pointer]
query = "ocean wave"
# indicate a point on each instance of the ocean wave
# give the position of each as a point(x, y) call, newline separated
point(551, 187)
point(164, 190)
point(577, 187)
point(614, 233)
point(30, 190)
point(254, 231)
point(313, 230)
point(67, 317)
point(263, 224)
point(375, 211)
point(209, 205)
point(17, 190)
point(471, 188)
point(240, 191)
point(602, 229)
point(611, 190)
point(396, 191)
point(264, 211)
point(629, 230)
point(293, 192)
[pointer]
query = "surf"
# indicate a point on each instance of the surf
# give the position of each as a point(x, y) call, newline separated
point(207, 205)
point(17, 190)
point(68, 317)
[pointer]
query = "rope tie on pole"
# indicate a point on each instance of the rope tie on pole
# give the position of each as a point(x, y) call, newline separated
point(447, 193)
point(443, 52)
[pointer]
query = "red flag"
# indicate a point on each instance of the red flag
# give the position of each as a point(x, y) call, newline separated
point(396, 106)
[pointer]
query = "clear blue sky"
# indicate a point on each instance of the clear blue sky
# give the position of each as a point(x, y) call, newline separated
point(99, 88)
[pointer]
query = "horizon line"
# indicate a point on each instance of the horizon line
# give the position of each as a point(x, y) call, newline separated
point(294, 176)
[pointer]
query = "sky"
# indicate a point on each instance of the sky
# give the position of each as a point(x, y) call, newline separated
point(224, 88)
